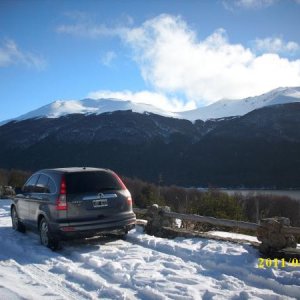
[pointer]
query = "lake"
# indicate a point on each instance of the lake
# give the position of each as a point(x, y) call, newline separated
point(293, 194)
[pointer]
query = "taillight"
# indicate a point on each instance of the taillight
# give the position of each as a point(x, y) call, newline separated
point(61, 201)
point(127, 197)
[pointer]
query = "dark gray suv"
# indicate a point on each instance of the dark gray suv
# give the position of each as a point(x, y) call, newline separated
point(73, 203)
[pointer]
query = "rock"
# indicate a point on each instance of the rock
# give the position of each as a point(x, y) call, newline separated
point(272, 236)
point(157, 220)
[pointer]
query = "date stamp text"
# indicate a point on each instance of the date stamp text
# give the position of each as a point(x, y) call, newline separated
point(277, 263)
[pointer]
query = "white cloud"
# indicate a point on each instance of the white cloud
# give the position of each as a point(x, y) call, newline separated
point(276, 45)
point(247, 4)
point(108, 58)
point(83, 25)
point(250, 4)
point(172, 60)
point(10, 54)
point(85, 30)
point(159, 100)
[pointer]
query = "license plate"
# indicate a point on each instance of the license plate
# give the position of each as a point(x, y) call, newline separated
point(100, 203)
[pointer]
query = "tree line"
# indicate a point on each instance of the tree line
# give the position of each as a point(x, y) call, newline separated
point(212, 202)
point(13, 177)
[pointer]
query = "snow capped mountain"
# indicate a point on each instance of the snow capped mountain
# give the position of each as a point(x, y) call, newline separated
point(91, 106)
point(219, 109)
point(153, 144)
point(228, 108)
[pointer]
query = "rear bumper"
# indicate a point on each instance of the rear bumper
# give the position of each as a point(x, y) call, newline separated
point(88, 229)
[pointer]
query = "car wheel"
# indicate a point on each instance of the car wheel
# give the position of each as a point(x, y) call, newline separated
point(16, 223)
point(46, 237)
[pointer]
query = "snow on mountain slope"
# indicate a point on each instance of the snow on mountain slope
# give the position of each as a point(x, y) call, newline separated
point(228, 108)
point(219, 109)
point(91, 106)
point(142, 267)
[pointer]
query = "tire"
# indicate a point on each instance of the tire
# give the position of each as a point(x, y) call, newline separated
point(16, 223)
point(46, 236)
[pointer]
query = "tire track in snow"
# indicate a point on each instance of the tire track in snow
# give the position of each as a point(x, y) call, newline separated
point(39, 263)
point(55, 286)
point(60, 274)
point(33, 263)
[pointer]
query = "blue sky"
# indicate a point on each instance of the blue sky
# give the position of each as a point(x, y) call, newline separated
point(177, 55)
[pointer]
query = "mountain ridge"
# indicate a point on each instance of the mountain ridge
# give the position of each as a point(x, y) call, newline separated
point(216, 110)
point(259, 149)
point(229, 108)
point(60, 108)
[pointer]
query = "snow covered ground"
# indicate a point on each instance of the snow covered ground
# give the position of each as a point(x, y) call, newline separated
point(142, 267)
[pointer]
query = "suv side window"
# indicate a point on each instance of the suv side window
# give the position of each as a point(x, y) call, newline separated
point(42, 184)
point(30, 184)
point(51, 186)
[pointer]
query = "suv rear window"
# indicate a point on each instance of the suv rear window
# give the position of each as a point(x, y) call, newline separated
point(91, 182)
